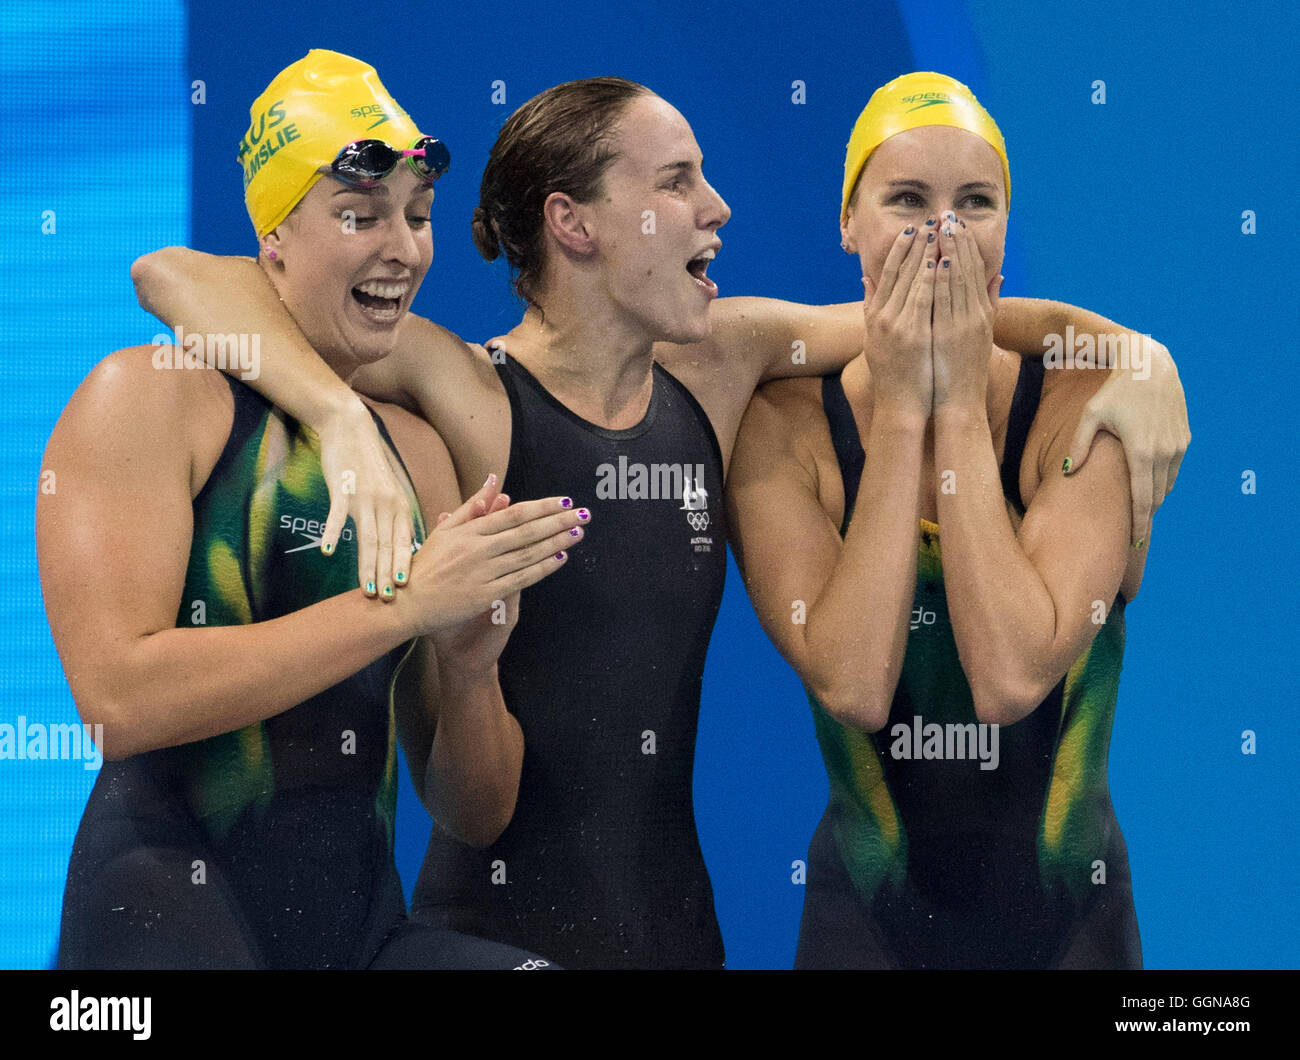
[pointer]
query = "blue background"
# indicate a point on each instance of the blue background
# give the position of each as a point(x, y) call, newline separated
point(1132, 209)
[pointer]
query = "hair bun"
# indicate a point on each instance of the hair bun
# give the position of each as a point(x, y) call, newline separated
point(485, 234)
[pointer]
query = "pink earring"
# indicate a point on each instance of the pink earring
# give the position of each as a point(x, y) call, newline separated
point(270, 253)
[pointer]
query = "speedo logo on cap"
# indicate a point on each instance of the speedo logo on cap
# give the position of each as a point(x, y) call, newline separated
point(926, 99)
point(370, 110)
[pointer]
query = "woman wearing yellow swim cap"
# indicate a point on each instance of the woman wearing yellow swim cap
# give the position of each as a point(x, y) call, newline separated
point(626, 373)
point(250, 694)
point(963, 701)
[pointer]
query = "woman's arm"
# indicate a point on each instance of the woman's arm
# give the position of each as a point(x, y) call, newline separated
point(1142, 402)
point(113, 541)
point(463, 748)
point(204, 294)
point(1023, 607)
point(839, 612)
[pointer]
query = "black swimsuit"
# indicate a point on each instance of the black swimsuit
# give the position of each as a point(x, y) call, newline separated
point(270, 846)
point(925, 858)
point(601, 866)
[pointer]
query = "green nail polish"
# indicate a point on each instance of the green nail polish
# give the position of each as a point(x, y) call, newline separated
point(328, 549)
point(1141, 542)
point(388, 590)
point(400, 576)
point(1068, 465)
point(370, 587)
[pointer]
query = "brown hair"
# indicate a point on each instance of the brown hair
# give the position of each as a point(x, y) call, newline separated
point(560, 140)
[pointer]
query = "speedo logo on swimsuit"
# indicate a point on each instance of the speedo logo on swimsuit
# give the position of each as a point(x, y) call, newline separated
point(77, 1013)
point(531, 965)
point(311, 529)
point(920, 741)
point(314, 529)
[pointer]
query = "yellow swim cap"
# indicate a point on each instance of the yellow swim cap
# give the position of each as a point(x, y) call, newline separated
point(311, 111)
point(910, 102)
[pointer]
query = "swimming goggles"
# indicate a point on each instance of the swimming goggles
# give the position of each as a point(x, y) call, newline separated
point(364, 163)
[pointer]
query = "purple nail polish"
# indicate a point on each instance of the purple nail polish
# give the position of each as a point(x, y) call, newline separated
point(575, 532)
point(566, 502)
point(559, 556)
point(584, 514)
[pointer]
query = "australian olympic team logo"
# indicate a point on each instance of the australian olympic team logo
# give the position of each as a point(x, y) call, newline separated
point(695, 502)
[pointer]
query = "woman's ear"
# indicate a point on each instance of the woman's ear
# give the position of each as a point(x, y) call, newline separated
point(271, 244)
point(563, 219)
point(847, 243)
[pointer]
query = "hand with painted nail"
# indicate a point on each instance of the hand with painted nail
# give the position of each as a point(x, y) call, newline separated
point(477, 559)
point(364, 485)
point(965, 305)
point(897, 309)
point(1144, 407)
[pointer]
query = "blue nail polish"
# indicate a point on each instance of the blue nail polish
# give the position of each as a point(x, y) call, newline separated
point(945, 263)
point(908, 230)
point(930, 221)
point(930, 238)
point(370, 587)
point(400, 576)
